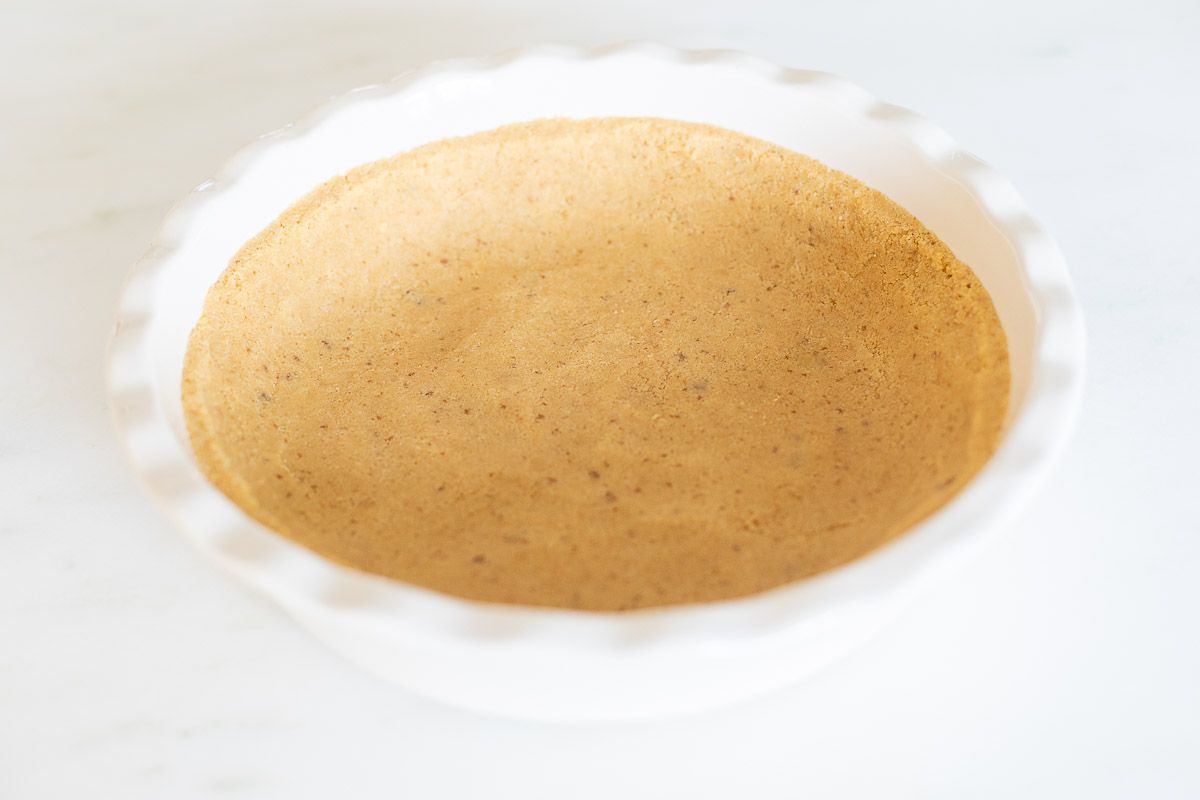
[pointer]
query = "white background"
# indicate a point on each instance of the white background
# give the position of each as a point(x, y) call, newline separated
point(1064, 663)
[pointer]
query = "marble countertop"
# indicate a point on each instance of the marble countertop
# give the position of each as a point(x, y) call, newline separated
point(1062, 663)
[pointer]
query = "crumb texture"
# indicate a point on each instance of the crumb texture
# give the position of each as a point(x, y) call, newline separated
point(601, 364)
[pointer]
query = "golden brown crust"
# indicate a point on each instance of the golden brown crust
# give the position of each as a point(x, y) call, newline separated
point(598, 364)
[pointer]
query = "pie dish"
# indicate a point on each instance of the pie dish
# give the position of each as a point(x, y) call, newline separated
point(575, 665)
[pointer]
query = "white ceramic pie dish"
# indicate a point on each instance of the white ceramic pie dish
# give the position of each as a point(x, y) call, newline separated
point(584, 666)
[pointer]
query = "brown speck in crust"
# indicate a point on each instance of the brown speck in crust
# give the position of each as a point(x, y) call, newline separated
point(479, 559)
point(593, 474)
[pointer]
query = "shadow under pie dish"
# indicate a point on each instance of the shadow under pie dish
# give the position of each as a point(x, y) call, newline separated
point(739, 310)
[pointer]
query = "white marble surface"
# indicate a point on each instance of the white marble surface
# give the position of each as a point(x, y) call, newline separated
point(1065, 663)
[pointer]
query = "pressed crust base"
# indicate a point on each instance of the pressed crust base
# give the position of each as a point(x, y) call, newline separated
point(601, 364)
